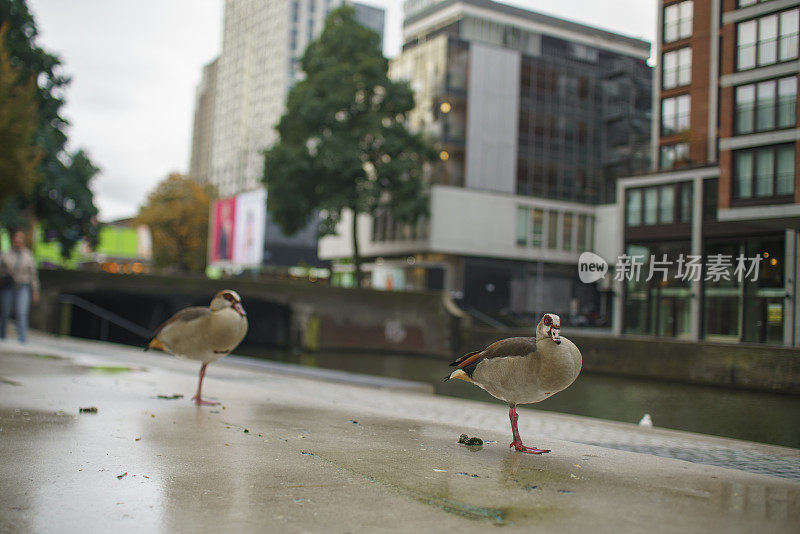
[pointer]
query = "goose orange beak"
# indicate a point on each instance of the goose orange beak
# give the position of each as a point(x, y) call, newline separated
point(238, 307)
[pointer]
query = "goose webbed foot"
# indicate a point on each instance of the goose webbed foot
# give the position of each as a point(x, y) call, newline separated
point(530, 450)
point(202, 402)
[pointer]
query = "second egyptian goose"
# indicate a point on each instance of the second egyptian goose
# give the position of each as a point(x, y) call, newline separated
point(523, 370)
point(205, 334)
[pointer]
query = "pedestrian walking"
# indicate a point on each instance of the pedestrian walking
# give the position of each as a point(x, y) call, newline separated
point(19, 285)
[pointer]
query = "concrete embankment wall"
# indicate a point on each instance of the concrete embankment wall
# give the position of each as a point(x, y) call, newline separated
point(746, 366)
point(295, 314)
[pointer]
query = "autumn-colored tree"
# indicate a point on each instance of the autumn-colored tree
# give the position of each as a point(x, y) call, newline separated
point(177, 214)
point(19, 157)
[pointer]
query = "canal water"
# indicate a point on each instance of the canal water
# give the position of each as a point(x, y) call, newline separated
point(753, 416)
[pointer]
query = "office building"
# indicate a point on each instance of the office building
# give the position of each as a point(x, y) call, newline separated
point(535, 118)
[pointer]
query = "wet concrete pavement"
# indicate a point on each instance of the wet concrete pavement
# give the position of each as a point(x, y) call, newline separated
point(289, 453)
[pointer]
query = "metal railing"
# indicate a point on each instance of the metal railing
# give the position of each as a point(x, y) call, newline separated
point(105, 316)
point(491, 321)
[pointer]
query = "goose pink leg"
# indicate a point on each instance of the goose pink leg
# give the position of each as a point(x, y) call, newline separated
point(198, 399)
point(517, 443)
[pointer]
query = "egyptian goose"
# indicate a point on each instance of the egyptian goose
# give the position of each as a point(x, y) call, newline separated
point(523, 370)
point(204, 334)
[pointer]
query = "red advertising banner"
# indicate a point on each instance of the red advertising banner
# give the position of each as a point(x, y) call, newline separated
point(222, 230)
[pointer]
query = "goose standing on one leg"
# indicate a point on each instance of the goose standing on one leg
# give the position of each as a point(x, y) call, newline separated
point(204, 334)
point(523, 370)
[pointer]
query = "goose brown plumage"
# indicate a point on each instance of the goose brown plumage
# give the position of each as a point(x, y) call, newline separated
point(205, 334)
point(523, 370)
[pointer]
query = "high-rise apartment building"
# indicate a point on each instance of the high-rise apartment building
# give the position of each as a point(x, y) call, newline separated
point(261, 46)
point(725, 186)
point(535, 117)
point(200, 159)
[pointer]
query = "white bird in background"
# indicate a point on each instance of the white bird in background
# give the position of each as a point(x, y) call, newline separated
point(523, 370)
point(204, 334)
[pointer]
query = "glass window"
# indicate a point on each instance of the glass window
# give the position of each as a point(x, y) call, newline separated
point(633, 210)
point(666, 204)
point(687, 195)
point(788, 36)
point(746, 45)
point(785, 175)
point(668, 116)
point(537, 224)
point(566, 238)
point(677, 68)
point(686, 12)
point(745, 107)
point(675, 114)
point(669, 70)
point(671, 155)
point(768, 40)
point(744, 174)
point(671, 23)
point(552, 229)
point(765, 170)
point(581, 233)
point(522, 226)
point(684, 66)
point(650, 205)
point(765, 106)
point(787, 102)
point(678, 21)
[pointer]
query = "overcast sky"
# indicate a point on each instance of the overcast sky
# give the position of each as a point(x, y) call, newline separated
point(135, 65)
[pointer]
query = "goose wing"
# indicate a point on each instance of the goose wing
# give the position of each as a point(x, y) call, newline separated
point(513, 346)
point(183, 317)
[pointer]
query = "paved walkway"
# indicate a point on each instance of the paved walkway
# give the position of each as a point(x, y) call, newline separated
point(305, 453)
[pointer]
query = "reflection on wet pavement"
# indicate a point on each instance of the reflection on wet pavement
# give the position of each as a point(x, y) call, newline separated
point(290, 455)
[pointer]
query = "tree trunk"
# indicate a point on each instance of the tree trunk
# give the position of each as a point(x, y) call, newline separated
point(356, 256)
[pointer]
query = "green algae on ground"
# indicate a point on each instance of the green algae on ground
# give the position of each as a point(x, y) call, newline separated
point(111, 369)
point(49, 357)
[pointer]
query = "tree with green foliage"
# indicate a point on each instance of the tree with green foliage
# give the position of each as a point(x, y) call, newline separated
point(19, 157)
point(62, 201)
point(343, 141)
point(177, 214)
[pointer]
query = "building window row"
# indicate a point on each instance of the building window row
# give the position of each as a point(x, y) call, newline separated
point(662, 204)
point(387, 228)
point(675, 113)
point(767, 105)
point(678, 21)
point(676, 68)
point(767, 40)
point(764, 172)
point(539, 228)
